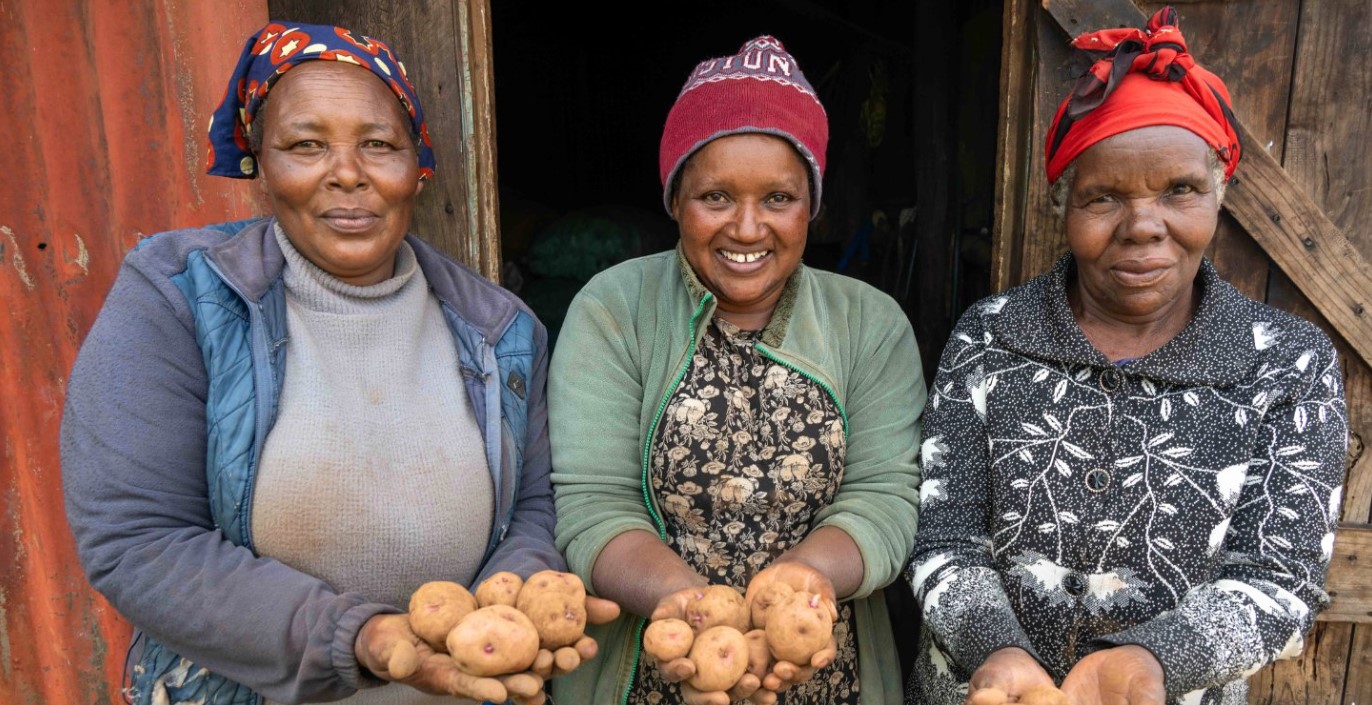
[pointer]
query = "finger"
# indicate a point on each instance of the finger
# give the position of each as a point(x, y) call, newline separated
point(691, 696)
point(600, 610)
point(468, 686)
point(803, 675)
point(587, 647)
point(403, 661)
point(522, 685)
point(772, 682)
point(565, 659)
point(785, 670)
point(543, 664)
point(677, 670)
point(987, 696)
point(825, 656)
point(745, 687)
point(536, 699)
point(763, 696)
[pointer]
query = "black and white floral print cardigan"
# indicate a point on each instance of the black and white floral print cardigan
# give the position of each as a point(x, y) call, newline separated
point(1184, 501)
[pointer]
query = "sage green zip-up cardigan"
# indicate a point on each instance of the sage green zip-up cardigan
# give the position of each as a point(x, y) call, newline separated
point(624, 346)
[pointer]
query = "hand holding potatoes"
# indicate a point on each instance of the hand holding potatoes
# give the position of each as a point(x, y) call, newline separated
point(795, 605)
point(697, 638)
point(500, 643)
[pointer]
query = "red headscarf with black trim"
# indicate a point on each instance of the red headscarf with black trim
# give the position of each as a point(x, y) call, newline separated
point(1141, 78)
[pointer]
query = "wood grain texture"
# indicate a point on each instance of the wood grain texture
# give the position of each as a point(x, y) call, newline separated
point(1013, 140)
point(1350, 575)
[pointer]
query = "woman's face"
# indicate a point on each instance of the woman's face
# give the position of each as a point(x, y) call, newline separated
point(743, 207)
point(340, 168)
point(1140, 214)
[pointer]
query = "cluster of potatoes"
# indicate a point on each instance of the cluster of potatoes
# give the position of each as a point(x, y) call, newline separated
point(502, 629)
point(725, 637)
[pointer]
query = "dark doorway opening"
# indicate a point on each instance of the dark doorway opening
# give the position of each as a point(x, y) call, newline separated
point(911, 91)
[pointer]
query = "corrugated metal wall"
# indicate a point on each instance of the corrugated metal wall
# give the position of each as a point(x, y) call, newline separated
point(103, 111)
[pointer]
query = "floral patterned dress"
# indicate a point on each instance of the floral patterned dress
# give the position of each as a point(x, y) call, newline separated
point(746, 454)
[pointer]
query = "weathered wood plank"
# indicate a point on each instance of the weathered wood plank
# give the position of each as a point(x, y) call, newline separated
point(1316, 678)
point(473, 33)
point(1350, 575)
point(1273, 208)
point(1013, 140)
point(1357, 690)
point(1329, 138)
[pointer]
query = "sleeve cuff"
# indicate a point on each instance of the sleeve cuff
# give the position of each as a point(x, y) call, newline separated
point(344, 651)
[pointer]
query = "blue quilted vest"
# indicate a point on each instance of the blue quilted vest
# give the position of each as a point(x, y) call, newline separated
point(244, 348)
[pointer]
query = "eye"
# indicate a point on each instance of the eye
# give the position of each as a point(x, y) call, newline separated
point(714, 197)
point(376, 144)
point(307, 145)
point(1181, 190)
point(780, 199)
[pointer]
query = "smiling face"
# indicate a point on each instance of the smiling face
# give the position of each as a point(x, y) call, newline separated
point(1140, 213)
point(341, 168)
point(743, 208)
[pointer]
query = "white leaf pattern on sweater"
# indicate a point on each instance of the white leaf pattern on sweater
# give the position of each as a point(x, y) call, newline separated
point(1221, 462)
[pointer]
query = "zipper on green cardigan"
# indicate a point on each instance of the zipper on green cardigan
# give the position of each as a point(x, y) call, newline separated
point(770, 356)
point(647, 496)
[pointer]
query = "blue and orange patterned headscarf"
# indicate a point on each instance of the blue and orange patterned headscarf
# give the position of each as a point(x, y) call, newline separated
point(267, 55)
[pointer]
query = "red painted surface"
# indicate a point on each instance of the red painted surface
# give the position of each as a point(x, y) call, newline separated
point(104, 110)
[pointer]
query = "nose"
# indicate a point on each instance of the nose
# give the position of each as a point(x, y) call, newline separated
point(750, 223)
point(345, 169)
point(1144, 221)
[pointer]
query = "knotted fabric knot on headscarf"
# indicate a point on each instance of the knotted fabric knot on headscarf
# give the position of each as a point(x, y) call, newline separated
point(1141, 78)
point(268, 54)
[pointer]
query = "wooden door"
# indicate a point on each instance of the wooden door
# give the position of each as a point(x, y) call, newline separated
point(1294, 232)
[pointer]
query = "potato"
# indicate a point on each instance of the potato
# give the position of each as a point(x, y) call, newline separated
point(798, 627)
point(556, 603)
point(774, 593)
point(493, 641)
point(436, 607)
point(566, 583)
point(721, 657)
point(717, 605)
point(668, 639)
point(500, 589)
point(1043, 695)
point(759, 656)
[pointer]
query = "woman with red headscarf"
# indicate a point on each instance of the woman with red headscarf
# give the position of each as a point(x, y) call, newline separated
point(1131, 471)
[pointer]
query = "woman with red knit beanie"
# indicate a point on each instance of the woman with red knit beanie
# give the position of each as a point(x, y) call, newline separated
point(1131, 471)
point(723, 415)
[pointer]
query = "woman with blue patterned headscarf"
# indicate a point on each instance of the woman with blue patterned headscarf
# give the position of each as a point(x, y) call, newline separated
point(277, 431)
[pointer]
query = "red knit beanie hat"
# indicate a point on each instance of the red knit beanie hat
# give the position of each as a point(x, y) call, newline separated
point(760, 89)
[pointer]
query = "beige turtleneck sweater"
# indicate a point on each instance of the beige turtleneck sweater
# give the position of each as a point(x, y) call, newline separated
point(374, 478)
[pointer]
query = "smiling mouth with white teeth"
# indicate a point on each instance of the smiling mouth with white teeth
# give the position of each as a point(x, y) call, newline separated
point(744, 258)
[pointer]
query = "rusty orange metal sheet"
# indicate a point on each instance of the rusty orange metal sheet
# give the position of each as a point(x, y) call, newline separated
point(104, 113)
